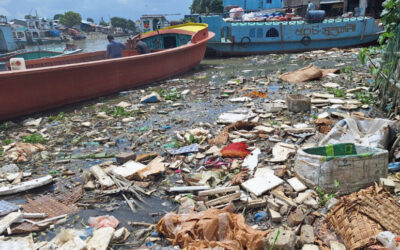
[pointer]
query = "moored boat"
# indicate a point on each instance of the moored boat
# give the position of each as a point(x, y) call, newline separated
point(235, 38)
point(36, 54)
point(53, 82)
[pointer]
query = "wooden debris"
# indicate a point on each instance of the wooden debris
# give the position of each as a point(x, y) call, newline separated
point(223, 199)
point(101, 176)
point(281, 196)
point(26, 185)
point(101, 239)
point(219, 191)
point(9, 219)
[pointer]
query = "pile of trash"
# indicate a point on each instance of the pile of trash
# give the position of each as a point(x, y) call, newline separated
point(261, 152)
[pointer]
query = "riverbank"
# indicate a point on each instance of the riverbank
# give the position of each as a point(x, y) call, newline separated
point(193, 108)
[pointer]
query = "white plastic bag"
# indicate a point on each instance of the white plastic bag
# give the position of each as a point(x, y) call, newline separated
point(366, 132)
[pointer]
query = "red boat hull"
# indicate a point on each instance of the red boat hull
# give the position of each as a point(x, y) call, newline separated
point(38, 89)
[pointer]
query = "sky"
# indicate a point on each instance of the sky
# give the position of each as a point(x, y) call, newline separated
point(131, 9)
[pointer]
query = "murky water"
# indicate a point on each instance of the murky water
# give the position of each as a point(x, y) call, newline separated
point(94, 42)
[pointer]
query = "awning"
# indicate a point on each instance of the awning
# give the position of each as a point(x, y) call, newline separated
point(330, 1)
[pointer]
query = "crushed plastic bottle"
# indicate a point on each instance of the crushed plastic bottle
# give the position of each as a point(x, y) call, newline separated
point(389, 240)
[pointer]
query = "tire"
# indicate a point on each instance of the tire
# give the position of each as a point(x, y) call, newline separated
point(245, 41)
point(306, 40)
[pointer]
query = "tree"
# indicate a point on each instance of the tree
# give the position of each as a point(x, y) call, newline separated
point(28, 17)
point(216, 6)
point(119, 22)
point(90, 20)
point(57, 16)
point(70, 19)
point(131, 25)
point(207, 6)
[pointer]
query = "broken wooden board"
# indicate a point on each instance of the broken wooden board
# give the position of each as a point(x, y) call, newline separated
point(156, 166)
point(101, 239)
point(223, 199)
point(219, 191)
point(282, 151)
point(9, 219)
point(129, 169)
point(281, 196)
point(26, 185)
point(101, 176)
point(261, 184)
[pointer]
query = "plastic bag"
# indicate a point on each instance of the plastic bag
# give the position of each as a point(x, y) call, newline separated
point(103, 221)
point(366, 132)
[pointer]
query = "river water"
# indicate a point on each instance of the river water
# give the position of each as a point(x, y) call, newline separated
point(93, 42)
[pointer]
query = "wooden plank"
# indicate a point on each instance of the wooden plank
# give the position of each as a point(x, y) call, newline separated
point(8, 220)
point(281, 196)
point(219, 191)
point(101, 176)
point(188, 188)
point(223, 199)
point(26, 185)
point(101, 239)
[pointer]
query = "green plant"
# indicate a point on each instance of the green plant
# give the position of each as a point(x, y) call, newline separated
point(119, 111)
point(4, 126)
point(325, 197)
point(365, 97)
point(172, 95)
point(275, 240)
point(33, 138)
point(347, 70)
point(192, 140)
point(6, 142)
point(59, 117)
point(337, 92)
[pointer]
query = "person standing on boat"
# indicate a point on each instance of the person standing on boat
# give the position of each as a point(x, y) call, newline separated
point(142, 47)
point(310, 6)
point(114, 48)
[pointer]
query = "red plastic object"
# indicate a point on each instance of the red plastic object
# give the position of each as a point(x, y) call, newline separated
point(235, 150)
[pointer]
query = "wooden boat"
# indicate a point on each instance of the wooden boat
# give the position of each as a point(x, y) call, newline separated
point(53, 82)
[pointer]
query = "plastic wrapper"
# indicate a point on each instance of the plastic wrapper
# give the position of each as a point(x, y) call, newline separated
point(103, 221)
point(366, 132)
point(235, 150)
point(210, 228)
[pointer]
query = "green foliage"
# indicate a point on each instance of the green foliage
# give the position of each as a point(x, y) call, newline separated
point(391, 18)
point(28, 16)
point(325, 197)
point(337, 92)
point(4, 126)
point(207, 6)
point(365, 97)
point(172, 95)
point(6, 142)
point(119, 111)
point(90, 20)
point(59, 117)
point(275, 240)
point(347, 70)
point(33, 138)
point(57, 16)
point(125, 24)
point(70, 19)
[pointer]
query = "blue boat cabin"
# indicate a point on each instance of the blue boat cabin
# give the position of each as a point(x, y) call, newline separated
point(254, 4)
